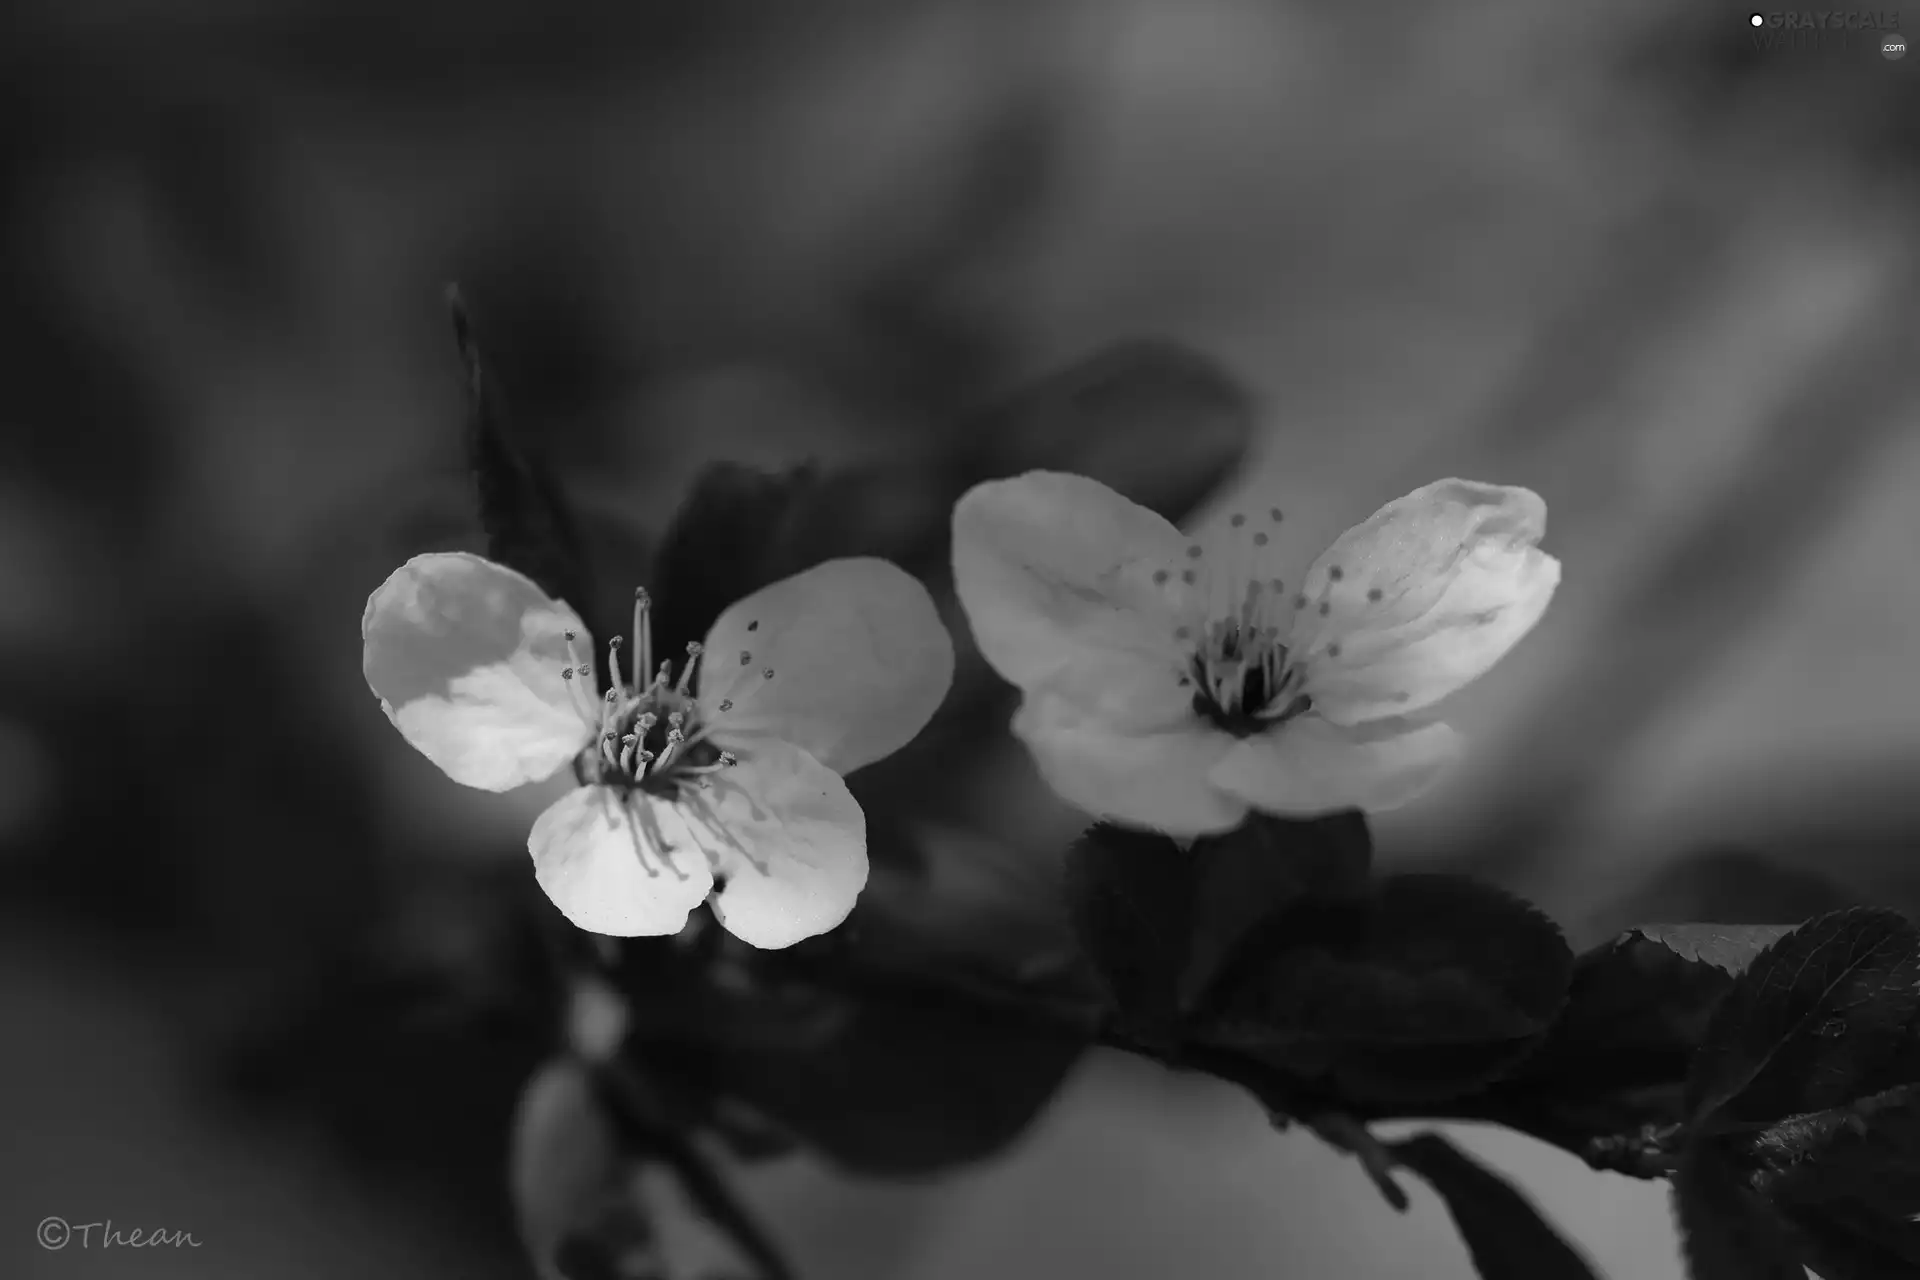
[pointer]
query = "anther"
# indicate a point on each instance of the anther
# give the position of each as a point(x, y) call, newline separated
point(745, 657)
point(1274, 514)
point(1194, 552)
point(1237, 520)
point(1259, 539)
point(1335, 573)
point(1333, 650)
point(726, 704)
point(1277, 585)
point(767, 674)
point(1326, 607)
point(1189, 577)
point(754, 625)
point(566, 673)
point(1160, 576)
point(1374, 593)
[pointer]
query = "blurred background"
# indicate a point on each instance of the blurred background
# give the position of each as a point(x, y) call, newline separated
point(1613, 253)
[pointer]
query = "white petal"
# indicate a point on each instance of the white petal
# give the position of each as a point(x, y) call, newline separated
point(626, 867)
point(465, 656)
point(861, 661)
point(1422, 598)
point(788, 838)
point(1053, 568)
point(1154, 779)
point(1308, 766)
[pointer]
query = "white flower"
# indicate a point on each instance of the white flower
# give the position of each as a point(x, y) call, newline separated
point(1174, 685)
point(728, 776)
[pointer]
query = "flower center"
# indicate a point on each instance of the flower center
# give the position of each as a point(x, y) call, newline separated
point(1243, 678)
point(651, 736)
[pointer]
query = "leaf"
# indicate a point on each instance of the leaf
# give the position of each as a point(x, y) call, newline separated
point(1827, 1015)
point(563, 1159)
point(724, 542)
point(1429, 988)
point(526, 520)
point(1729, 947)
point(1149, 418)
point(1503, 1230)
point(1159, 920)
point(1728, 1232)
point(891, 1081)
point(1849, 1181)
point(1868, 1151)
point(1616, 1059)
point(602, 1193)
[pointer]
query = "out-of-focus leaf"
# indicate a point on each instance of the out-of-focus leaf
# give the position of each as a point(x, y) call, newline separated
point(1429, 988)
point(725, 541)
point(563, 1160)
point(1149, 418)
point(889, 1079)
point(1728, 1232)
point(1734, 887)
point(601, 1194)
point(1731, 947)
point(1160, 920)
point(1827, 1015)
point(1504, 1232)
point(527, 523)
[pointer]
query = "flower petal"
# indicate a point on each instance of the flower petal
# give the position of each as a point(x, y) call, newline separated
point(623, 866)
point(861, 662)
point(465, 656)
point(789, 842)
point(1421, 598)
point(1052, 568)
point(1309, 766)
point(1157, 780)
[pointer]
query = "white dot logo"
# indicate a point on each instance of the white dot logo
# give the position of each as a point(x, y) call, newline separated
point(1893, 47)
point(1757, 20)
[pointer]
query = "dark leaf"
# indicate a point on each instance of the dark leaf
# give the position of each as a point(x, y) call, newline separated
point(1429, 988)
point(1731, 947)
point(1159, 920)
point(1868, 1151)
point(1829, 1014)
point(886, 1081)
point(1149, 418)
point(1844, 1240)
point(726, 541)
point(1728, 1232)
point(527, 523)
point(1615, 1062)
point(1132, 898)
point(1503, 1230)
point(1849, 1181)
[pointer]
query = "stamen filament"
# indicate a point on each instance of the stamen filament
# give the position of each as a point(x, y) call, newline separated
point(642, 633)
point(694, 650)
point(613, 662)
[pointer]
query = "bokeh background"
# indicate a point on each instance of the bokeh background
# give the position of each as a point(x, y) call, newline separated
point(1610, 252)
